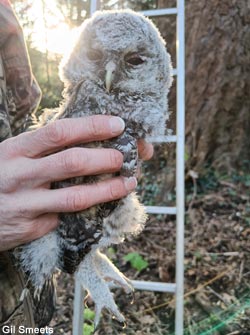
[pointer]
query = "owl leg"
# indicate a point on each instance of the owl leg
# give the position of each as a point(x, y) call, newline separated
point(39, 259)
point(127, 218)
point(92, 280)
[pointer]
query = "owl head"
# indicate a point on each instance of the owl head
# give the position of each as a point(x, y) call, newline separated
point(119, 50)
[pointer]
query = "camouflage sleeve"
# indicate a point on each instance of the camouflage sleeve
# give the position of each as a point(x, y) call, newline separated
point(13, 311)
point(19, 89)
point(5, 129)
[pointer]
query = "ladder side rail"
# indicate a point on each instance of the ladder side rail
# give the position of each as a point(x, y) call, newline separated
point(180, 168)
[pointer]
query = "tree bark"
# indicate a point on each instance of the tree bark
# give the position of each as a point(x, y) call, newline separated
point(218, 83)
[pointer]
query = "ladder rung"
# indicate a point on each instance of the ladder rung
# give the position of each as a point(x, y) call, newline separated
point(174, 72)
point(159, 12)
point(162, 139)
point(160, 210)
point(154, 286)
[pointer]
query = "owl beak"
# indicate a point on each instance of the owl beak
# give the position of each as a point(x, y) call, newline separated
point(108, 79)
point(110, 68)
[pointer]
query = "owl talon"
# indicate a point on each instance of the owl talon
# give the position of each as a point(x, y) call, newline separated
point(86, 300)
point(110, 273)
point(97, 287)
point(112, 309)
point(133, 297)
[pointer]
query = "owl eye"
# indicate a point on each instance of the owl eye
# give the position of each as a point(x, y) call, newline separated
point(94, 55)
point(134, 59)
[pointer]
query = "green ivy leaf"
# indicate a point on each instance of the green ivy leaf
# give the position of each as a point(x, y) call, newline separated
point(88, 329)
point(88, 314)
point(136, 261)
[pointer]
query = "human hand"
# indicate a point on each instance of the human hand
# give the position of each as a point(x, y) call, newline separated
point(31, 161)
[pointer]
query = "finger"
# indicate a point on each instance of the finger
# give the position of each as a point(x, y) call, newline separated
point(61, 133)
point(77, 198)
point(76, 162)
point(145, 149)
point(29, 173)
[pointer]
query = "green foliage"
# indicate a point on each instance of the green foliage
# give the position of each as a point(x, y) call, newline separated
point(218, 323)
point(136, 261)
point(243, 178)
point(88, 329)
point(46, 73)
point(198, 255)
point(210, 180)
point(88, 314)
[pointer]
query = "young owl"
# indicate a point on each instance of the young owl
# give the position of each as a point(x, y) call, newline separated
point(118, 66)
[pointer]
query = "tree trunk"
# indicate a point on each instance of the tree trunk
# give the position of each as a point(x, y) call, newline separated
point(218, 83)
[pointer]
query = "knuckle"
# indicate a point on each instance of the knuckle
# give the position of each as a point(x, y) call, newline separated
point(94, 127)
point(116, 190)
point(70, 161)
point(116, 159)
point(55, 132)
point(76, 200)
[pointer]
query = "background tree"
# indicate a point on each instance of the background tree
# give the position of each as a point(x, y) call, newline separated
point(218, 83)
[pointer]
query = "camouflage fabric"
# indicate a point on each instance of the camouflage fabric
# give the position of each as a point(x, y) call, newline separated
point(5, 129)
point(19, 91)
point(19, 96)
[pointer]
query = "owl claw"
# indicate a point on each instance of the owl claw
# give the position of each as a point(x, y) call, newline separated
point(110, 273)
point(86, 300)
point(112, 308)
point(92, 273)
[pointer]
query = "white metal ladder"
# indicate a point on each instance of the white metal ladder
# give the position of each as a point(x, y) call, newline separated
point(178, 287)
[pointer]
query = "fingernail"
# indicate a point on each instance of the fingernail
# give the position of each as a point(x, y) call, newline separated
point(130, 183)
point(117, 124)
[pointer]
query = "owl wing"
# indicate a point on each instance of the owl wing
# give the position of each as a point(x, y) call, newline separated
point(44, 303)
point(126, 144)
